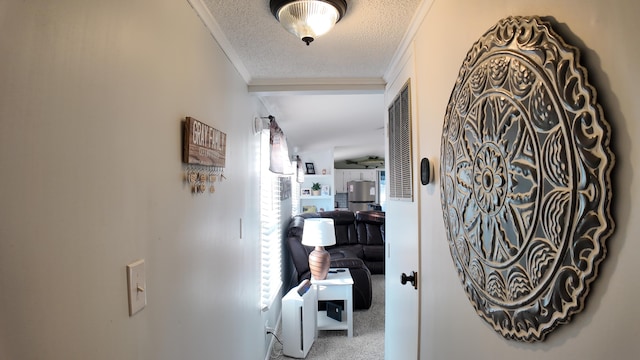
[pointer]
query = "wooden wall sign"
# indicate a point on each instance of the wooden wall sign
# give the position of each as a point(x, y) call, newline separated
point(203, 145)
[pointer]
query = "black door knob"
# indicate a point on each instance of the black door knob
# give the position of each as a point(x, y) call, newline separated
point(413, 279)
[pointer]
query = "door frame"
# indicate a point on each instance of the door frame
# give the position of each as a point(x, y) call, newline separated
point(403, 234)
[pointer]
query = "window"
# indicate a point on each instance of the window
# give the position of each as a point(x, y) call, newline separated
point(270, 229)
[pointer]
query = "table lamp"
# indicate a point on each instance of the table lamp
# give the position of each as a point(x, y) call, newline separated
point(319, 232)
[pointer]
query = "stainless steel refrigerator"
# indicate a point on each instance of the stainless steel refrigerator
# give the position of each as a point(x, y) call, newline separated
point(360, 194)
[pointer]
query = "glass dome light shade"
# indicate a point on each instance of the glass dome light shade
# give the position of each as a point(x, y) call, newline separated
point(308, 19)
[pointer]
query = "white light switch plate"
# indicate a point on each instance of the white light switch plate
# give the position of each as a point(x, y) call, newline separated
point(137, 286)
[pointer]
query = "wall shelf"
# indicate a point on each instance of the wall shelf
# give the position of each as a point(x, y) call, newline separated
point(317, 197)
point(323, 162)
point(321, 202)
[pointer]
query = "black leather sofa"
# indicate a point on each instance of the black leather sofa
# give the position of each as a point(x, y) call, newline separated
point(359, 247)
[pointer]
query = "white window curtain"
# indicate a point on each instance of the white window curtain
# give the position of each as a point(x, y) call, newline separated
point(270, 231)
point(280, 161)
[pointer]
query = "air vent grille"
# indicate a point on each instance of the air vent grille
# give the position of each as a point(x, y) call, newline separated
point(400, 179)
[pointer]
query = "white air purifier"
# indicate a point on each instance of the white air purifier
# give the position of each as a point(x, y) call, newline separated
point(299, 317)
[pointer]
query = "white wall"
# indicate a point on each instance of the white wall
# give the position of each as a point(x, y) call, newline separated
point(606, 32)
point(321, 159)
point(92, 93)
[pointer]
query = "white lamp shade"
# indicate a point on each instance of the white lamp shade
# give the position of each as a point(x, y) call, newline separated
point(318, 232)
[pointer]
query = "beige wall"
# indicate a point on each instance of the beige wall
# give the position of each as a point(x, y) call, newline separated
point(606, 32)
point(92, 93)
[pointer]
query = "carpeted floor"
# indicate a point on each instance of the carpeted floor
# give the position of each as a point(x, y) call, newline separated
point(367, 342)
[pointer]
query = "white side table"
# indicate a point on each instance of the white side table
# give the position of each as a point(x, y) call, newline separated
point(337, 286)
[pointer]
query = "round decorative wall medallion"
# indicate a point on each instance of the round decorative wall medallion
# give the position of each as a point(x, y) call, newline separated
point(526, 189)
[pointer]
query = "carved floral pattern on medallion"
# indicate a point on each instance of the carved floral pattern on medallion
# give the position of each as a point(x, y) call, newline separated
point(526, 189)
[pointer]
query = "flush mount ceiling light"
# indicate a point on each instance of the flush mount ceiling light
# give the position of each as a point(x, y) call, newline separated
point(308, 19)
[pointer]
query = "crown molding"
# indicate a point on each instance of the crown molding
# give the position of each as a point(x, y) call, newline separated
point(407, 39)
point(214, 29)
point(319, 86)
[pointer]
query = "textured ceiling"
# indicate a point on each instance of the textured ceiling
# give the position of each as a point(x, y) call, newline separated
point(359, 49)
